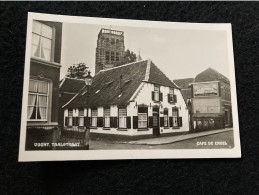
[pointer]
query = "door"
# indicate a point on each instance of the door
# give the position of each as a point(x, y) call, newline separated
point(175, 117)
point(156, 126)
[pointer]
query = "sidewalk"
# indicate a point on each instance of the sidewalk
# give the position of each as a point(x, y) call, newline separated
point(172, 139)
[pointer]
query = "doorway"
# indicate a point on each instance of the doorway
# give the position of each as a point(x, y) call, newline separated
point(156, 125)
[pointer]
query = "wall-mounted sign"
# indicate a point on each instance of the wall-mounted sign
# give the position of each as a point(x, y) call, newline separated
point(205, 89)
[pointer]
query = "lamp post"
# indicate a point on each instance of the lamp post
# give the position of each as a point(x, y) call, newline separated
point(88, 82)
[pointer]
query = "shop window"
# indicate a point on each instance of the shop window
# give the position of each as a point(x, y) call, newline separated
point(142, 117)
point(81, 117)
point(94, 117)
point(122, 117)
point(38, 100)
point(107, 115)
point(41, 41)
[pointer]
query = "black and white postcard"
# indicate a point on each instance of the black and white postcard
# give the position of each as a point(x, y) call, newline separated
point(99, 88)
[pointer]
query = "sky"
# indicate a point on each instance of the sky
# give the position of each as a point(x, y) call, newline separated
point(178, 53)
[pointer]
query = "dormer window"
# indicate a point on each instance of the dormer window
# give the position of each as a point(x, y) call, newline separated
point(42, 38)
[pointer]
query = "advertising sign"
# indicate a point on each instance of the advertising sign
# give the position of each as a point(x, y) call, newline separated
point(205, 89)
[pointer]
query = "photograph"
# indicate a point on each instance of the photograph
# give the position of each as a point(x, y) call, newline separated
point(99, 88)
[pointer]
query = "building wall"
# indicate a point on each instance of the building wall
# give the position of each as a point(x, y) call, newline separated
point(109, 42)
point(143, 97)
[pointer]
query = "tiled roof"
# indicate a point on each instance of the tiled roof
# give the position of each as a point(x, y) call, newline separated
point(210, 75)
point(183, 83)
point(108, 90)
point(71, 85)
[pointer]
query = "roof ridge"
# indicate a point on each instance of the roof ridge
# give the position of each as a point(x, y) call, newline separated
point(121, 66)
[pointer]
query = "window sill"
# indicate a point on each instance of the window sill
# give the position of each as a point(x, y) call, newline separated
point(166, 127)
point(106, 128)
point(93, 127)
point(122, 129)
point(176, 127)
point(146, 129)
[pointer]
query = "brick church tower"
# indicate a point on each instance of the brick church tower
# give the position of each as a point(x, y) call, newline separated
point(110, 49)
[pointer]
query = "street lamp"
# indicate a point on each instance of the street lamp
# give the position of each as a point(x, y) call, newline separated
point(88, 82)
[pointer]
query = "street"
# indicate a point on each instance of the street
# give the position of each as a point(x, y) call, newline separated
point(215, 141)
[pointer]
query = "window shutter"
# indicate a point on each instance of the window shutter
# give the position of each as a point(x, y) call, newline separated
point(128, 122)
point(161, 97)
point(150, 121)
point(76, 121)
point(85, 121)
point(168, 98)
point(161, 121)
point(66, 121)
point(135, 122)
point(153, 95)
point(175, 98)
point(115, 122)
point(171, 121)
point(99, 121)
point(111, 122)
point(180, 124)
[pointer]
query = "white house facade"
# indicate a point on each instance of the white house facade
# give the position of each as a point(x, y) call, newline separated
point(144, 102)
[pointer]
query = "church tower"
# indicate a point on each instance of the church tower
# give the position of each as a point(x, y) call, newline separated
point(110, 49)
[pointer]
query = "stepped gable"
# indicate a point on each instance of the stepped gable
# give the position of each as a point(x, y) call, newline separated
point(210, 75)
point(116, 86)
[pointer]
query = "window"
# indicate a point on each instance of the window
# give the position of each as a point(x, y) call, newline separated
point(117, 56)
point(70, 117)
point(166, 117)
point(175, 117)
point(81, 117)
point(112, 56)
point(107, 114)
point(107, 56)
point(38, 100)
point(156, 93)
point(94, 117)
point(122, 118)
point(41, 41)
point(142, 117)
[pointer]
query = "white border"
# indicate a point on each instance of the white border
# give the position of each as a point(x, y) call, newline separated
point(55, 155)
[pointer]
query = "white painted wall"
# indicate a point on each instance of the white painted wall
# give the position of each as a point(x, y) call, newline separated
point(144, 96)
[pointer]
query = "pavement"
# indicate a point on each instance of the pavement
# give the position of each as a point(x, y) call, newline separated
point(177, 138)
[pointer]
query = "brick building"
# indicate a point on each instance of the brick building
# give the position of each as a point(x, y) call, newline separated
point(110, 49)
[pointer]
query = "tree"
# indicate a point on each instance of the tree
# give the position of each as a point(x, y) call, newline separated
point(129, 56)
point(78, 71)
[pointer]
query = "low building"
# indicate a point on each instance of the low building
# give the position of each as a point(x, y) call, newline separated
point(68, 88)
point(43, 94)
point(130, 100)
point(211, 101)
point(184, 85)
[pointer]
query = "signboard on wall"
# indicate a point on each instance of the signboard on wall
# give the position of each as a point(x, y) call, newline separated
point(205, 89)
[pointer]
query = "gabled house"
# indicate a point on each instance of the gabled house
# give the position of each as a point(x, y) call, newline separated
point(131, 100)
point(68, 88)
point(211, 100)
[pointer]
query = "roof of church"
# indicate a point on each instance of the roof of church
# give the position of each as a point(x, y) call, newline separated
point(117, 85)
point(183, 83)
point(210, 75)
point(71, 85)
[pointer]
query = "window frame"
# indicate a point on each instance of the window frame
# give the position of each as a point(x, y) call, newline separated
point(125, 117)
point(47, 95)
point(80, 117)
point(156, 91)
point(52, 40)
point(70, 118)
point(92, 117)
point(167, 118)
point(107, 117)
point(143, 113)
